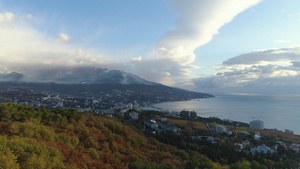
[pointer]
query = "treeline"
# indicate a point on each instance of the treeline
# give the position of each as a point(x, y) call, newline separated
point(40, 138)
point(220, 153)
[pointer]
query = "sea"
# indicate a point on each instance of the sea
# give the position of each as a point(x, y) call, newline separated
point(277, 111)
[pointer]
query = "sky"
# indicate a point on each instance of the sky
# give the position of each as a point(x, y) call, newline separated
point(216, 46)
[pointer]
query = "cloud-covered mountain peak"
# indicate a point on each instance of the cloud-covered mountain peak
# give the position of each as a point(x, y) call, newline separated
point(79, 75)
point(11, 77)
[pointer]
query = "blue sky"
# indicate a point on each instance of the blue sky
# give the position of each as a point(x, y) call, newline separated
point(212, 46)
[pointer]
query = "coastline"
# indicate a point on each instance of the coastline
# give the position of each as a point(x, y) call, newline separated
point(272, 109)
point(152, 107)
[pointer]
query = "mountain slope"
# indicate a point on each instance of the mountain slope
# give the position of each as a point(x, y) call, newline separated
point(11, 77)
point(40, 138)
point(108, 86)
point(80, 75)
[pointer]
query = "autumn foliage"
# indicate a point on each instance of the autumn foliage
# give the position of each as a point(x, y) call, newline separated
point(40, 138)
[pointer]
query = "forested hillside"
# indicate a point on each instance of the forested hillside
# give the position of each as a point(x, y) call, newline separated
point(40, 138)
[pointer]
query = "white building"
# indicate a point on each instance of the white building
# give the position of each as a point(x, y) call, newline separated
point(134, 115)
point(238, 147)
point(151, 123)
point(257, 136)
point(257, 124)
point(95, 101)
point(220, 129)
point(168, 127)
point(245, 143)
point(262, 149)
point(60, 104)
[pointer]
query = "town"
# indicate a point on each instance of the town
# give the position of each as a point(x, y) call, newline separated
point(237, 137)
point(98, 102)
point(176, 128)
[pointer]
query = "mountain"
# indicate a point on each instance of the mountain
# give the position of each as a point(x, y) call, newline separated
point(11, 77)
point(81, 75)
point(107, 86)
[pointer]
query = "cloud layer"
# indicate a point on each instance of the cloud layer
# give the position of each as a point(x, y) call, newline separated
point(64, 37)
point(6, 17)
point(197, 22)
point(266, 56)
point(23, 46)
point(262, 71)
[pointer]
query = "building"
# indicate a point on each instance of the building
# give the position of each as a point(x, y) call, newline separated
point(237, 147)
point(168, 127)
point(95, 101)
point(262, 149)
point(287, 131)
point(134, 115)
point(184, 113)
point(220, 129)
point(151, 123)
point(193, 114)
point(257, 136)
point(60, 104)
point(208, 138)
point(245, 143)
point(257, 124)
point(244, 133)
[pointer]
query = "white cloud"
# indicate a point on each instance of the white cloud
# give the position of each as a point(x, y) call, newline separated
point(197, 22)
point(283, 41)
point(268, 70)
point(23, 46)
point(27, 50)
point(29, 16)
point(64, 37)
point(6, 17)
point(267, 56)
point(137, 59)
point(163, 71)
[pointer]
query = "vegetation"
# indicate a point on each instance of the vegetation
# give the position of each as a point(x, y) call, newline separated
point(40, 138)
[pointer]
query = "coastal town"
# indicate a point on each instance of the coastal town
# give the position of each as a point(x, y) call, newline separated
point(98, 102)
point(251, 140)
point(247, 138)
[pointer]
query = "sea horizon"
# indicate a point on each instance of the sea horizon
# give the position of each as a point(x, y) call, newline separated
point(278, 111)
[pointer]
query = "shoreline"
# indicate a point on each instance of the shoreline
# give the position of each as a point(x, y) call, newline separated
point(272, 110)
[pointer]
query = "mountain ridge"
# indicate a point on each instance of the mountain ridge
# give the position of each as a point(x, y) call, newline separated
point(109, 87)
point(80, 75)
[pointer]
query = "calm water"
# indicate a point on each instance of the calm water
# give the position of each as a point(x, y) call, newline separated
point(277, 111)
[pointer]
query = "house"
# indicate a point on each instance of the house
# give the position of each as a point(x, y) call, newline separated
point(208, 138)
point(168, 127)
point(257, 136)
point(262, 149)
point(220, 129)
point(245, 143)
point(257, 124)
point(295, 149)
point(237, 147)
point(134, 115)
point(60, 104)
point(244, 133)
point(228, 120)
point(151, 123)
point(287, 131)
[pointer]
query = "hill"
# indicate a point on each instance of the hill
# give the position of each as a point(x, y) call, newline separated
point(40, 138)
